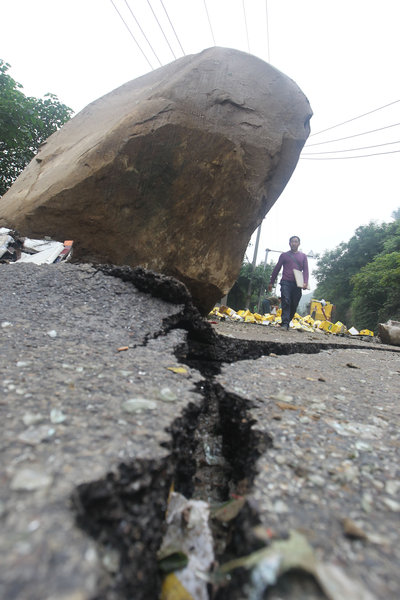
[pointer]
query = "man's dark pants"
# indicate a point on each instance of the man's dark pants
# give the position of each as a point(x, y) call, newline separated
point(290, 298)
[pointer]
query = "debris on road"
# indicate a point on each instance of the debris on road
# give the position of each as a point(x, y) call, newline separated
point(188, 544)
point(269, 563)
point(306, 323)
point(15, 248)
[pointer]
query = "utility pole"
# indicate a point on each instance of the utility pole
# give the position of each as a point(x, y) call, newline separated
point(260, 293)
point(253, 265)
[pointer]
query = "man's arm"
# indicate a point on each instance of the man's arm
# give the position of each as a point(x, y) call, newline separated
point(275, 272)
point(305, 272)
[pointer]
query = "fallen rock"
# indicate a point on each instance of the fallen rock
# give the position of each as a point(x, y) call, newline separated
point(389, 332)
point(172, 171)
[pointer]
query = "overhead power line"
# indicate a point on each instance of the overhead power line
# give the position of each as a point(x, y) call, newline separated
point(351, 149)
point(348, 157)
point(143, 33)
point(267, 23)
point(162, 30)
point(353, 136)
point(245, 24)
point(173, 28)
point(209, 22)
point(354, 118)
point(132, 36)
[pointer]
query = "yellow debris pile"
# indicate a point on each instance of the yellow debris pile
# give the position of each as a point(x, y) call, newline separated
point(306, 323)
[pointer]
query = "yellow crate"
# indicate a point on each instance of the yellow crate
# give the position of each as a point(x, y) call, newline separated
point(366, 332)
point(249, 319)
point(326, 326)
point(338, 327)
point(322, 313)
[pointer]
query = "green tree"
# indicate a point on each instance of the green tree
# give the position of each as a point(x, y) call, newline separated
point(376, 291)
point(238, 294)
point(335, 268)
point(25, 123)
point(396, 214)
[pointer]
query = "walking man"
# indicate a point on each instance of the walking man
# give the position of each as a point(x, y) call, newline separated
point(290, 293)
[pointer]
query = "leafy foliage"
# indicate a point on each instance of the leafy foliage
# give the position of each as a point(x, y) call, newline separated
point(396, 214)
point(238, 295)
point(362, 277)
point(376, 291)
point(25, 123)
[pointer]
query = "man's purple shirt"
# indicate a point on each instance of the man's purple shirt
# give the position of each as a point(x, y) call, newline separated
point(290, 260)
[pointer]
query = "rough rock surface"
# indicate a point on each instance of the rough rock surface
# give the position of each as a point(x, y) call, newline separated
point(390, 332)
point(172, 171)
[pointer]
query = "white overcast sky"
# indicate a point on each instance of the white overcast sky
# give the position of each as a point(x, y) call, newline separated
point(344, 55)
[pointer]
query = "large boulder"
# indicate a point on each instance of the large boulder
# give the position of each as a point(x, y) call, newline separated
point(172, 171)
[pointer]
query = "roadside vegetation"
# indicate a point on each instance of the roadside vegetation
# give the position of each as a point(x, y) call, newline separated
point(237, 297)
point(25, 123)
point(362, 277)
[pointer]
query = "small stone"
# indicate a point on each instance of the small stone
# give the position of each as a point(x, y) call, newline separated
point(352, 530)
point(317, 480)
point(392, 504)
point(57, 416)
point(167, 395)
point(29, 480)
point(5, 324)
point(349, 473)
point(23, 363)
point(138, 405)
point(280, 507)
point(363, 446)
point(361, 430)
point(281, 396)
point(91, 555)
point(392, 487)
point(111, 560)
point(32, 418)
point(52, 333)
point(33, 525)
point(366, 502)
point(305, 420)
point(35, 435)
point(277, 417)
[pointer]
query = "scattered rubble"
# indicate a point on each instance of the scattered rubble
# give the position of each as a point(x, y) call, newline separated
point(306, 323)
point(15, 248)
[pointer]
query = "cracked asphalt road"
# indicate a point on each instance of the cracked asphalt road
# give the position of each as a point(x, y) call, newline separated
point(70, 415)
point(97, 413)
